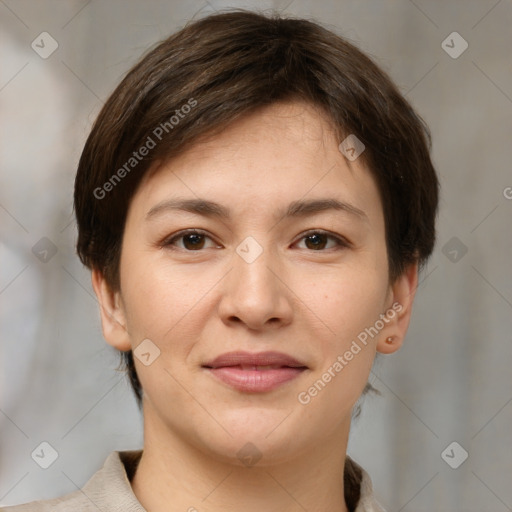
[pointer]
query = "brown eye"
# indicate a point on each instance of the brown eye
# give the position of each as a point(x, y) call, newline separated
point(191, 241)
point(316, 241)
point(319, 240)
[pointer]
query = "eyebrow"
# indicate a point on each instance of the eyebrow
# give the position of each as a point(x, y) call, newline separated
point(299, 208)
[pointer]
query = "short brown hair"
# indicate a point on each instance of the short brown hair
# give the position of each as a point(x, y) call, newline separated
point(223, 67)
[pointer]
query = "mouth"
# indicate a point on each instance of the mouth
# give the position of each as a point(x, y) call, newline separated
point(255, 373)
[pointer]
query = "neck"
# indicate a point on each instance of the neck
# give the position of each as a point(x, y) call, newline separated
point(174, 475)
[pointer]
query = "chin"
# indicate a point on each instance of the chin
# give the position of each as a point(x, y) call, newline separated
point(252, 449)
point(257, 437)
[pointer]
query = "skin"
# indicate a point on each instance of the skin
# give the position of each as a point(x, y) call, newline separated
point(295, 298)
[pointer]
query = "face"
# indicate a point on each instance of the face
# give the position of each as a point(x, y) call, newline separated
point(261, 239)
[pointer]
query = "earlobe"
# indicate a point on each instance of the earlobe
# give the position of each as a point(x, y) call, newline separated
point(402, 293)
point(113, 319)
point(389, 344)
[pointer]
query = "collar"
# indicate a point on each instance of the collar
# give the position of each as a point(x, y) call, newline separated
point(112, 483)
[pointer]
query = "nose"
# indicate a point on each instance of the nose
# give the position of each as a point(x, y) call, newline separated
point(255, 294)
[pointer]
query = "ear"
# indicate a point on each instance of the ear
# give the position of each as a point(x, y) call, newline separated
point(398, 314)
point(113, 318)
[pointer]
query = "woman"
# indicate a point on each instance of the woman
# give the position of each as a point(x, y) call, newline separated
point(254, 202)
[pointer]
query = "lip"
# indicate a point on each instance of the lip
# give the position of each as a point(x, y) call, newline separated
point(239, 370)
point(255, 359)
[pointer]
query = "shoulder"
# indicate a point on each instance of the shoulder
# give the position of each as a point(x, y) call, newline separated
point(107, 490)
point(72, 501)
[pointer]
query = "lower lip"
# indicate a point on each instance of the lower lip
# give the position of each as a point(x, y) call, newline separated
point(255, 381)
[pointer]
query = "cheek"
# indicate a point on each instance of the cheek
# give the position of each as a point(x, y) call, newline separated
point(345, 300)
point(345, 304)
point(161, 299)
point(168, 307)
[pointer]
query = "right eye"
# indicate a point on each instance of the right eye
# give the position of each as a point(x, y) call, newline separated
point(192, 240)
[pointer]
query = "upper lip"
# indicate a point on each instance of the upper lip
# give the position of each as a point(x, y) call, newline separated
point(257, 359)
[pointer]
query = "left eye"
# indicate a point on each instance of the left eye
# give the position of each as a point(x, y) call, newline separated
point(318, 240)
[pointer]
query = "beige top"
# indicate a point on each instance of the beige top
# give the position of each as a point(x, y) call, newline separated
point(109, 490)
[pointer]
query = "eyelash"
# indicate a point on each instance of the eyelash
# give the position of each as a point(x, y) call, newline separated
point(169, 242)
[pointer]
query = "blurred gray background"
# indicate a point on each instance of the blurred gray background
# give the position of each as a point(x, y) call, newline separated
point(451, 382)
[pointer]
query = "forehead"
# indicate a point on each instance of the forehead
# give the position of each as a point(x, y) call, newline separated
point(279, 154)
